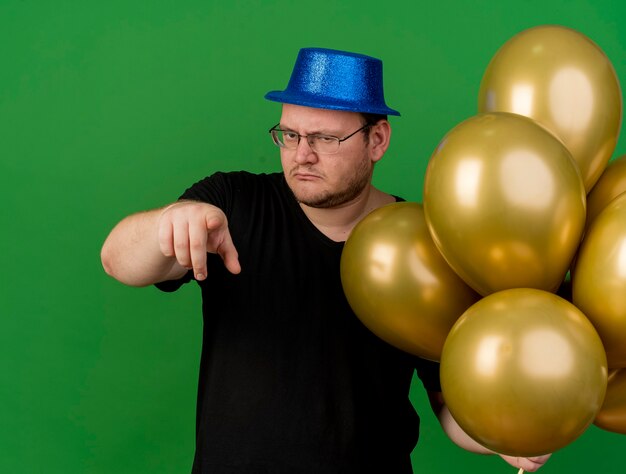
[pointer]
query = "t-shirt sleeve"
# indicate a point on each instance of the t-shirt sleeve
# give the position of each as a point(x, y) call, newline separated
point(216, 189)
point(428, 372)
point(173, 285)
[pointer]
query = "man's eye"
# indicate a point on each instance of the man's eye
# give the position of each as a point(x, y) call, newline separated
point(325, 139)
point(291, 136)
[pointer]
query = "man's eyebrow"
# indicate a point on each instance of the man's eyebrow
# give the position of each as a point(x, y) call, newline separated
point(316, 132)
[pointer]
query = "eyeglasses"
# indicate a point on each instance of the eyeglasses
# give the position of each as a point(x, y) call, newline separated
point(324, 144)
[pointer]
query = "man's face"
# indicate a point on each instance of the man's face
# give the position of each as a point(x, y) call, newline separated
point(325, 181)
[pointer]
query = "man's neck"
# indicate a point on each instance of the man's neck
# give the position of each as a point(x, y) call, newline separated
point(337, 222)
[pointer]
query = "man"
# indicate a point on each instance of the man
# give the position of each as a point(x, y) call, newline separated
point(290, 380)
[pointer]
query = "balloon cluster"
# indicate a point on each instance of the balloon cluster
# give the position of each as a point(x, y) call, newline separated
point(520, 203)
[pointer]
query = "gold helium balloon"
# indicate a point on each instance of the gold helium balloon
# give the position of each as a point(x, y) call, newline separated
point(611, 184)
point(398, 284)
point(612, 415)
point(599, 279)
point(523, 372)
point(505, 203)
point(560, 78)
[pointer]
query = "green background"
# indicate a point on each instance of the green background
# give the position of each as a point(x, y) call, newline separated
point(110, 107)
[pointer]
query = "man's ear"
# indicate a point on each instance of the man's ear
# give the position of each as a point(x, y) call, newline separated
point(380, 134)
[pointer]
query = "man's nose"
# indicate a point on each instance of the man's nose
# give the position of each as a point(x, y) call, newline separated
point(304, 152)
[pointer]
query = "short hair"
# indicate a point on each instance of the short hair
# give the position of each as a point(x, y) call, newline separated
point(373, 119)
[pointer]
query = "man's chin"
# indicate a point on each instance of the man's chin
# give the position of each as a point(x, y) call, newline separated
point(326, 201)
point(318, 202)
point(304, 194)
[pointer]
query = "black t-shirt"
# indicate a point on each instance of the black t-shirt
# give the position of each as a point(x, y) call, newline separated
point(290, 380)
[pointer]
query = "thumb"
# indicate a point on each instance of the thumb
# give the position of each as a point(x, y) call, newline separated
point(225, 247)
point(229, 254)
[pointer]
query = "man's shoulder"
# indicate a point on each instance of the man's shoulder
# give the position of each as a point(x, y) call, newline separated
point(247, 177)
point(243, 174)
point(223, 181)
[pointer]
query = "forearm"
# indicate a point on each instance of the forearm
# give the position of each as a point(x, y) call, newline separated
point(457, 435)
point(462, 439)
point(131, 252)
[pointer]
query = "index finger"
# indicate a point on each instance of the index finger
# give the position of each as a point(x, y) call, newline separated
point(198, 250)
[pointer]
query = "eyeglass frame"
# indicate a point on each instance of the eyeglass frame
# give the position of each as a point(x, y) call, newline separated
point(339, 140)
